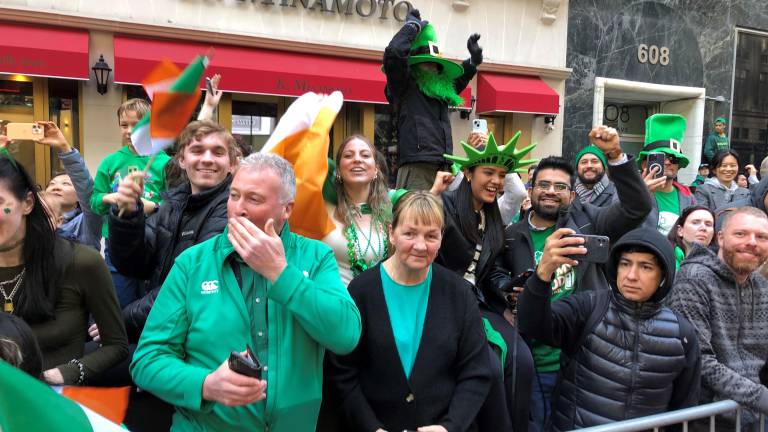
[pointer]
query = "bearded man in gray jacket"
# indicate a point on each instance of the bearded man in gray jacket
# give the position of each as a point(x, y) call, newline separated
point(726, 299)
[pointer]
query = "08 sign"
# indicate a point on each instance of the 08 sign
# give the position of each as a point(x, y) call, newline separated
point(653, 54)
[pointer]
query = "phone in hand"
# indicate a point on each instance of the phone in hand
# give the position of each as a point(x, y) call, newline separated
point(510, 294)
point(480, 125)
point(598, 248)
point(247, 364)
point(24, 131)
point(208, 85)
point(656, 160)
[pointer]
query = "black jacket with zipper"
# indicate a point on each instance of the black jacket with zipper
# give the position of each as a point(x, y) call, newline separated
point(621, 359)
point(146, 248)
point(450, 376)
point(613, 221)
point(423, 125)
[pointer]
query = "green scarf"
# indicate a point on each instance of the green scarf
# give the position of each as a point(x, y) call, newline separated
point(436, 85)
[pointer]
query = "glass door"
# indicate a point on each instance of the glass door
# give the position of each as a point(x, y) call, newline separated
point(17, 106)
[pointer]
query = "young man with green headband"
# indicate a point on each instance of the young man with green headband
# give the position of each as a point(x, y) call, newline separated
point(664, 134)
point(717, 140)
point(421, 85)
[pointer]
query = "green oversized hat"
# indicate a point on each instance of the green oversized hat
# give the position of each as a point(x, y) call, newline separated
point(424, 49)
point(505, 156)
point(664, 133)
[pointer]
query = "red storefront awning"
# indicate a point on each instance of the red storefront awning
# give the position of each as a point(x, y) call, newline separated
point(515, 93)
point(255, 70)
point(44, 51)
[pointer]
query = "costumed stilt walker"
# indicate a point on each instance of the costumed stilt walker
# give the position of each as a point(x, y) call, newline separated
point(421, 85)
point(473, 239)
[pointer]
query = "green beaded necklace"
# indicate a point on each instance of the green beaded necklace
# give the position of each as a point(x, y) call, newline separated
point(357, 261)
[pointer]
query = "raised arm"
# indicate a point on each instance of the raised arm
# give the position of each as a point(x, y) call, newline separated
point(397, 52)
point(562, 322)
point(634, 201)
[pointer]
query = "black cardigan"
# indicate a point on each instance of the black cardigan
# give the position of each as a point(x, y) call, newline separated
point(451, 374)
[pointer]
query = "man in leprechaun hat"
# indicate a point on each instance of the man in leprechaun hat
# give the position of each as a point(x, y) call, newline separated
point(717, 140)
point(664, 134)
point(421, 85)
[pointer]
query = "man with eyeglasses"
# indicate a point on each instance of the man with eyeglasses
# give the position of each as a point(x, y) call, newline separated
point(664, 134)
point(554, 205)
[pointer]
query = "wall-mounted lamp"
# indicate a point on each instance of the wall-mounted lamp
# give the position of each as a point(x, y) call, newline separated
point(464, 114)
point(101, 71)
point(549, 122)
point(716, 98)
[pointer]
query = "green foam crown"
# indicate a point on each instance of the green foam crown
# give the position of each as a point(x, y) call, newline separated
point(506, 156)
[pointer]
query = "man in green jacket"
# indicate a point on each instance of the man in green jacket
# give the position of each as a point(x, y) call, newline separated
point(258, 284)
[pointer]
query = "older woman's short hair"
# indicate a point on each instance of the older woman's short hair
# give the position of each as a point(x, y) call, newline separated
point(419, 206)
point(270, 161)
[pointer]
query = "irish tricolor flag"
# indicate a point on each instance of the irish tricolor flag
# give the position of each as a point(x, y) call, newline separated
point(27, 404)
point(301, 137)
point(174, 97)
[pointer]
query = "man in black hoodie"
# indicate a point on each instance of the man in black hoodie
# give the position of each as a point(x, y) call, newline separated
point(625, 355)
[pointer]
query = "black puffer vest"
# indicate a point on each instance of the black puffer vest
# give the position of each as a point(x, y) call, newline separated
point(625, 368)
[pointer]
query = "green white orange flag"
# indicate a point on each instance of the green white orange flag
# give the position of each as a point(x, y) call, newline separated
point(301, 137)
point(174, 97)
point(27, 404)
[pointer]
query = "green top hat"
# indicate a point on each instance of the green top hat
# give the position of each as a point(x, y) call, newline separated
point(664, 133)
point(424, 49)
point(505, 156)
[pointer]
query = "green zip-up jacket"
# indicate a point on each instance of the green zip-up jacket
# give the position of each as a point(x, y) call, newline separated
point(200, 316)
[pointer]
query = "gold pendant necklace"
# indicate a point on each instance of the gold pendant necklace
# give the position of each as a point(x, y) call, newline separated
point(8, 303)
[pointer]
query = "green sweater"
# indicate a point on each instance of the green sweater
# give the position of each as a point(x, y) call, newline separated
point(200, 316)
point(118, 165)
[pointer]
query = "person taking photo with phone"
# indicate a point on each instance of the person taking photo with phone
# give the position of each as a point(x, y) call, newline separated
point(626, 355)
point(664, 136)
point(554, 205)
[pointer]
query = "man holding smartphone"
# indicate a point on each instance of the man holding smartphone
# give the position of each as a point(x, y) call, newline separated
point(664, 137)
point(554, 205)
point(627, 355)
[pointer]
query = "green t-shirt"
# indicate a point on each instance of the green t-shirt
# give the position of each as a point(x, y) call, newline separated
point(407, 307)
point(669, 210)
point(545, 357)
point(118, 165)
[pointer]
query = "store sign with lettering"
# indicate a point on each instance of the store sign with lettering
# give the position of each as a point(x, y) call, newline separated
point(381, 9)
point(11, 60)
point(301, 86)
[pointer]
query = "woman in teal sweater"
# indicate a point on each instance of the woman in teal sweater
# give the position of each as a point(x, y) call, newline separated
point(423, 361)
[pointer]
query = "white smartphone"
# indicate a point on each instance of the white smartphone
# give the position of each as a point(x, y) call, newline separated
point(480, 125)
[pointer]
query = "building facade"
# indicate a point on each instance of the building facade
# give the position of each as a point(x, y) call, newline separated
point(700, 59)
point(269, 52)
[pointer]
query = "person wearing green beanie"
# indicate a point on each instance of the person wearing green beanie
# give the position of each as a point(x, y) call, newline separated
point(717, 140)
point(592, 185)
point(421, 85)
